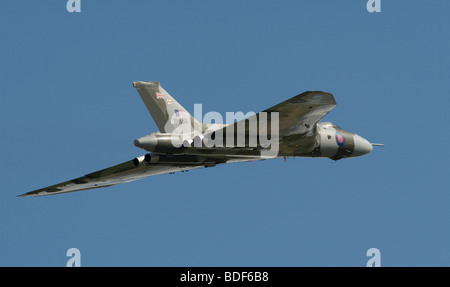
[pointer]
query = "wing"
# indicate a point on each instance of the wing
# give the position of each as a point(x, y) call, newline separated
point(121, 173)
point(300, 114)
point(297, 119)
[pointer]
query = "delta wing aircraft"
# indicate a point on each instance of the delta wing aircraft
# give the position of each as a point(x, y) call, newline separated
point(183, 143)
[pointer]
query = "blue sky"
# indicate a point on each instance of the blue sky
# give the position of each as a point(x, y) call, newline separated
point(68, 108)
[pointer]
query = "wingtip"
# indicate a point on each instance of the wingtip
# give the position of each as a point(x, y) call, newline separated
point(28, 194)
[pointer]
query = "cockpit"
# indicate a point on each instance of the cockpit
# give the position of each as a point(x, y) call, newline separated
point(326, 125)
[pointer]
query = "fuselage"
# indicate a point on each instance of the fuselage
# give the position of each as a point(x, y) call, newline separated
point(328, 141)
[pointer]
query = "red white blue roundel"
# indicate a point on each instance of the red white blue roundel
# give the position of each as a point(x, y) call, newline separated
point(340, 139)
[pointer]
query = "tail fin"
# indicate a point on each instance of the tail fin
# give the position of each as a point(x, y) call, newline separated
point(167, 113)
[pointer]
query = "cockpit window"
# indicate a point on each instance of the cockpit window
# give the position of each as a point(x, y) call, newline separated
point(326, 125)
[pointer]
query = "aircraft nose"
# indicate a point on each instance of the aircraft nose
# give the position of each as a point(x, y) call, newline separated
point(362, 146)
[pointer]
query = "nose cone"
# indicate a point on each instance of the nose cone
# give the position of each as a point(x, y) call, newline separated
point(362, 146)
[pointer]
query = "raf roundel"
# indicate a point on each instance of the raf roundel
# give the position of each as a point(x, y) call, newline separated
point(340, 139)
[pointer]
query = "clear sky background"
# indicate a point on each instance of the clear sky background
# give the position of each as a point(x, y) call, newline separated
point(67, 108)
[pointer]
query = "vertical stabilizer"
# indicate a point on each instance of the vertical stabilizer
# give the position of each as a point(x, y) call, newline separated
point(168, 114)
